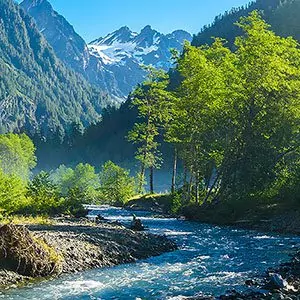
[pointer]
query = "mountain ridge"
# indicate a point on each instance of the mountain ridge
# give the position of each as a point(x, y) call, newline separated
point(116, 71)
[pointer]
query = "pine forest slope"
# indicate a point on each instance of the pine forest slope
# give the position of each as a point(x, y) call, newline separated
point(38, 94)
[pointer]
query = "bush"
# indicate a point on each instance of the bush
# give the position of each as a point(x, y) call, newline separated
point(17, 154)
point(73, 203)
point(43, 195)
point(116, 184)
point(12, 194)
point(176, 204)
point(83, 179)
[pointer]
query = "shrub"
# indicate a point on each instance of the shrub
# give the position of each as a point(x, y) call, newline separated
point(83, 178)
point(116, 184)
point(43, 194)
point(12, 194)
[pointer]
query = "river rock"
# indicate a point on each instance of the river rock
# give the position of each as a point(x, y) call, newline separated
point(277, 282)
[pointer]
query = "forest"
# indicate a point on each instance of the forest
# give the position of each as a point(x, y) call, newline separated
point(62, 191)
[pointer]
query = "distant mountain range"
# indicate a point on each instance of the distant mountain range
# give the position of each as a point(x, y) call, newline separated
point(123, 52)
point(112, 63)
point(51, 78)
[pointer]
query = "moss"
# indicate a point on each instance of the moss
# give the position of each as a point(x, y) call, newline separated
point(54, 256)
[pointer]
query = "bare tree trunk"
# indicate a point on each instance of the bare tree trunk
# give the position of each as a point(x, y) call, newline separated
point(212, 187)
point(151, 180)
point(185, 185)
point(173, 187)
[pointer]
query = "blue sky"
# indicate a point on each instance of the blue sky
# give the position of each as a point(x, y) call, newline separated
point(95, 18)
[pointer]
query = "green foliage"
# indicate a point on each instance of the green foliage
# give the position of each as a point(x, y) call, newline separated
point(17, 154)
point(74, 201)
point(116, 184)
point(83, 178)
point(64, 191)
point(283, 17)
point(176, 204)
point(12, 194)
point(235, 116)
point(151, 100)
point(44, 197)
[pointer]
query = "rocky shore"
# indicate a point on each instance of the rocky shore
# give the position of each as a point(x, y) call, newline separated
point(84, 245)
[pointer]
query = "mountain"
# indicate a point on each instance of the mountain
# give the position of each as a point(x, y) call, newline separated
point(111, 63)
point(38, 93)
point(69, 46)
point(124, 51)
point(282, 15)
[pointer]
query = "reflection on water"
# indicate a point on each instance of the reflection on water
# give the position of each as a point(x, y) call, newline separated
point(210, 259)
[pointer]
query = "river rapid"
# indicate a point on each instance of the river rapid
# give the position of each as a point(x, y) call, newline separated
point(210, 260)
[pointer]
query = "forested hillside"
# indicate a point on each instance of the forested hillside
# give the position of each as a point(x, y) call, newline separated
point(38, 94)
point(282, 15)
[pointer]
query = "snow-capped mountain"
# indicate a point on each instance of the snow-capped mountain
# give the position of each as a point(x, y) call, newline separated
point(112, 63)
point(124, 51)
point(147, 47)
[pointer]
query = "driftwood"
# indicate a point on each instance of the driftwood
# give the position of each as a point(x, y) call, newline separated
point(26, 255)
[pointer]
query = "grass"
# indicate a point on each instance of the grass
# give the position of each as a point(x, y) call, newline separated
point(24, 220)
point(163, 200)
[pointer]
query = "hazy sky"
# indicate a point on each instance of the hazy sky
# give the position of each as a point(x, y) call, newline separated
point(95, 18)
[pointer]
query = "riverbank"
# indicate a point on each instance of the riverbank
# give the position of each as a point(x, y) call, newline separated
point(276, 217)
point(266, 218)
point(83, 245)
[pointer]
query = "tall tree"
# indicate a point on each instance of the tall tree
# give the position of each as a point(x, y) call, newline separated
point(149, 98)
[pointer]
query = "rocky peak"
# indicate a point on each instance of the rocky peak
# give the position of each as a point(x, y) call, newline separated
point(122, 35)
point(181, 35)
point(147, 37)
point(68, 45)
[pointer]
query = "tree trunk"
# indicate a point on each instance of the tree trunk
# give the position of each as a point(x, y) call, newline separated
point(185, 185)
point(173, 187)
point(212, 187)
point(151, 180)
point(197, 187)
point(190, 187)
point(141, 179)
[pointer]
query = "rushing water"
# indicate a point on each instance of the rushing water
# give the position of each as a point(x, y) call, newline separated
point(210, 259)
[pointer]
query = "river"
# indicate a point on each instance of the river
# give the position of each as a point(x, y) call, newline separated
point(210, 260)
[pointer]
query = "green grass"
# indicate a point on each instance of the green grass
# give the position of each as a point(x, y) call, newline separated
point(24, 220)
point(164, 201)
